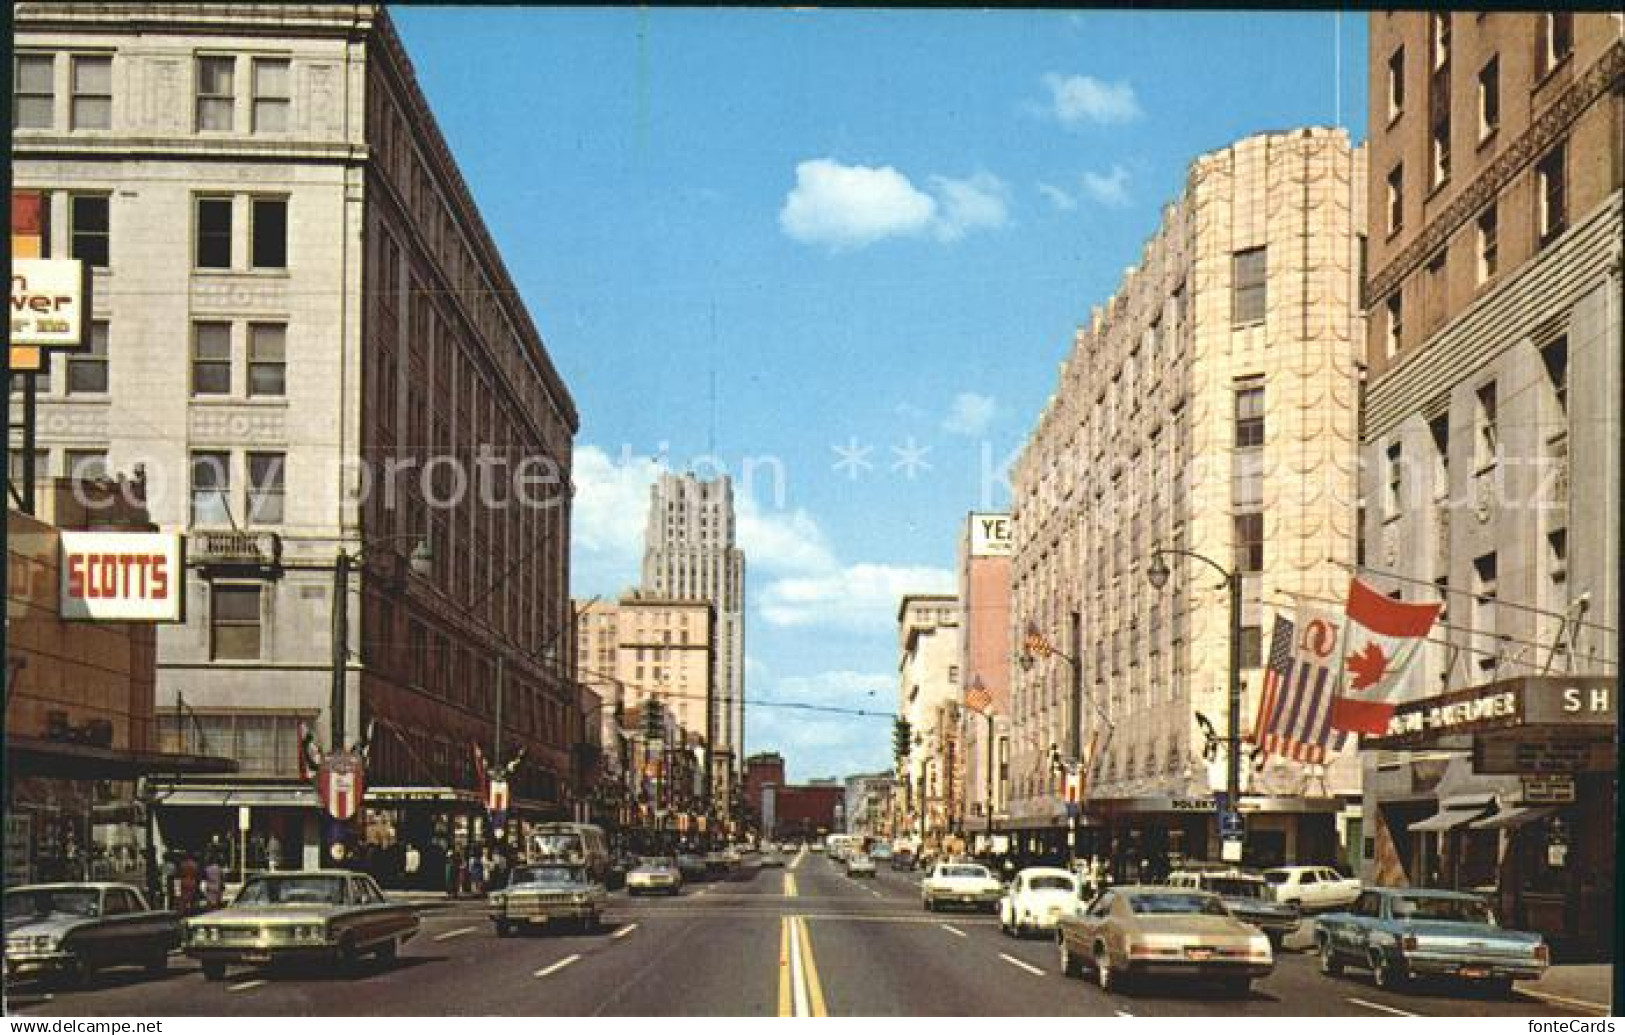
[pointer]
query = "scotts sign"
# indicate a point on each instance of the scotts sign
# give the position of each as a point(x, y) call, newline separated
point(122, 577)
point(1528, 701)
point(49, 299)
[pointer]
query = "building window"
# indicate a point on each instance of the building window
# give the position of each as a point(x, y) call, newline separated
point(1249, 416)
point(270, 232)
point(214, 233)
point(86, 464)
point(1555, 357)
point(34, 91)
point(89, 229)
point(1439, 142)
point(211, 488)
point(1552, 194)
point(271, 95)
point(1437, 297)
point(1554, 39)
point(1247, 489)
point(1249, 530)
point(265, 488)
point(1485, 585)
point(267, 359)
point(1489, 98)
point(1439, 34)
point(87, 369)
point(1252, 646)
point(1487, 435)
point(1396, 84)
point(211, 359)
point(216, 93)
point(1393, 333)
point(1396, 199)
point(1488, 243)
point(1439, 429)
point(1247, 273)
point(1396, 480)
point(234, 622)
point(92, 81)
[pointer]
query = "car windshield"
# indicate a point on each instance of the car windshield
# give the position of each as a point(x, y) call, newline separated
point(558, 846)
point(548, 875)
point(1235, 887)
point(24, 903)
point(964, 871)
point(1462, 910)
point(1176, 903)
point(1275, 876)
point(292, 891)
point(1051, 884)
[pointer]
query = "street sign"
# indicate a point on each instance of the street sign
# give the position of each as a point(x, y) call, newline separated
point(1231, 825)
point(1231, 851)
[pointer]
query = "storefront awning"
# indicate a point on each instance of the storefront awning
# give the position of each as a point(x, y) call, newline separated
point(1510, 818)
point(1453, 812)
point(36, 756)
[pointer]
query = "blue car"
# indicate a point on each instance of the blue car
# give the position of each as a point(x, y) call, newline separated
point(1401, 934)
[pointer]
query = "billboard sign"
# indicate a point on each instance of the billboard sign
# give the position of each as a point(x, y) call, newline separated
point(991, 535)
point(49, 300)
point(122, 577)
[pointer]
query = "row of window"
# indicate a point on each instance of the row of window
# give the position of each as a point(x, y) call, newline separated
point(212, 498)
point(1554, 42)
point(222, 225)
point(215, 344)
point(84, 82)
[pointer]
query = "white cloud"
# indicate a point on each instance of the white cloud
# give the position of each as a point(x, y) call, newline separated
point(1058, 197)
point(970, 414)
point(1108, 189)
point(850, 206)
point(857, 597)
point(853, 206)
point(782, 542)
point(608, 516)
point(1077, 99)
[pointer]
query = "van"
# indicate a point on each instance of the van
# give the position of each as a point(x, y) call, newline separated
point(580, 844)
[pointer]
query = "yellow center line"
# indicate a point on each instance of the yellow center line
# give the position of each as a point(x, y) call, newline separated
point(784, 969)
point(815, 988)
point(789, 885)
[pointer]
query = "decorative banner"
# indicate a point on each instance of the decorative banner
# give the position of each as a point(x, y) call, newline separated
point(496, 803)
point(1382, 637)
point(123, 577)
point(340, 783)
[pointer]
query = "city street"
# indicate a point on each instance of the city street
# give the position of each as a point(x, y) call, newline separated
point(806, 940)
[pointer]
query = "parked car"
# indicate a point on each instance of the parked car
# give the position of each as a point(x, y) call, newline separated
point(817, 846)
point(1133, 932)
point(544, 892)
point(859, 865)
point(654, 874)
point(1401, 934)
point(1312, 888)
point(692, 866)
point(1037, 899)
point(70, 931)
point(881, 853)
point(959, 883)
point(329, 915)
point(902, 859)
point(772, 857)
point(717, 863)
point(1248, 898)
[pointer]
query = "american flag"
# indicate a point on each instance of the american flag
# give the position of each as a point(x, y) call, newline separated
point(1295, 713)
point(1035, 642)
point(978, 698)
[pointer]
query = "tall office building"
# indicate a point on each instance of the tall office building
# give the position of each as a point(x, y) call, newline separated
point(689, 553)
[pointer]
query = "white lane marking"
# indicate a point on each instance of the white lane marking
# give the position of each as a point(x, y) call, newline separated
point(1384, 1009)
point(875, 893)
point(1023, 964)
point(623, 932)
point(560, 965)
point(1564, 1000)
point(1124, 1013)
point(455, 934)
point(953, 930)
point(243, 986)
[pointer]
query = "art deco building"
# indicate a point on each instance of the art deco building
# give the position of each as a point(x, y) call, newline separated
point(1210, 405)
point(1492, 448)
point(307, 338)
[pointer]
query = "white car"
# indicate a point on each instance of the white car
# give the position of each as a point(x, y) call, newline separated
point(1312, 888)
point(961, 884)
point(860, 865)
point(1037, 900)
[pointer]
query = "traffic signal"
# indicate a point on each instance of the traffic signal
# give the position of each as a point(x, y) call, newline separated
point(654, 719)
point(902, 737)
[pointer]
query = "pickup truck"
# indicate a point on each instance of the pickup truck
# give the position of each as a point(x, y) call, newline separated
point(1401, 934)
point(1312, 889)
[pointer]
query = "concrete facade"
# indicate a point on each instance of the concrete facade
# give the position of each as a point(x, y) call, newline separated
point(930, 698)
point(1157, 434)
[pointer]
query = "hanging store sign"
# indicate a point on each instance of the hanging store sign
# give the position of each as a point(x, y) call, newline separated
point(1527, 701)
point(1548, 790)
point(49, 300)
point(122, 577)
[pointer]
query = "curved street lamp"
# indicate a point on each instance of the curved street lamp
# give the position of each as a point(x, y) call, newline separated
point(1158, 573)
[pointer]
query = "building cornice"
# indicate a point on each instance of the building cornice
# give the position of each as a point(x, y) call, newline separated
point(1543, 132)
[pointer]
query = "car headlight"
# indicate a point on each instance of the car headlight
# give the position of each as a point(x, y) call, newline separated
point(580, 896)
point(1258, 945)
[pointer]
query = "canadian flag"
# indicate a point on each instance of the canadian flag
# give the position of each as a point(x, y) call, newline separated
point(1379, 646)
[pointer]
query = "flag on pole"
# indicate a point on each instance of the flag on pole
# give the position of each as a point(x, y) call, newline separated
point(978, 698)
point(1035, 642)
point(1380, 647)
point(1295, 710)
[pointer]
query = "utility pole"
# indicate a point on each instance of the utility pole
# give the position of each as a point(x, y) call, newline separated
point(341, 649)
point(496, 747)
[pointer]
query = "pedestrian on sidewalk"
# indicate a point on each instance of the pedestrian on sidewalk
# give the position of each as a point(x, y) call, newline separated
point(476, 875)
point(214, 883)
point(189, 885)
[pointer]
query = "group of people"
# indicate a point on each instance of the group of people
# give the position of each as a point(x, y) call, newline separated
point(188, 886)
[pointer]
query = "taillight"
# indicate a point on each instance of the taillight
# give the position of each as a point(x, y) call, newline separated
point(1543, 953)
point(1408, 943)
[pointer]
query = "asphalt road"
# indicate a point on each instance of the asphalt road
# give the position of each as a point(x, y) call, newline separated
point(805, 940)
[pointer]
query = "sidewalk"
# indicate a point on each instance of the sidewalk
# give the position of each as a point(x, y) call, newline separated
point(1587, 986)
point(429, 899)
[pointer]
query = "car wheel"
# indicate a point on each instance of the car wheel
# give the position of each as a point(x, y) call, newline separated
point(1071, 966)
point(388, 951)
point(214, 970)
point(158, 965)
point(1104, 974)
point(349, 956)
point(930, 906)
point(1386, 973)
point(1329, 963)
point(1502, 988)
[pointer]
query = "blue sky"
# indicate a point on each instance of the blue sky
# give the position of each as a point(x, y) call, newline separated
point(873, 231)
